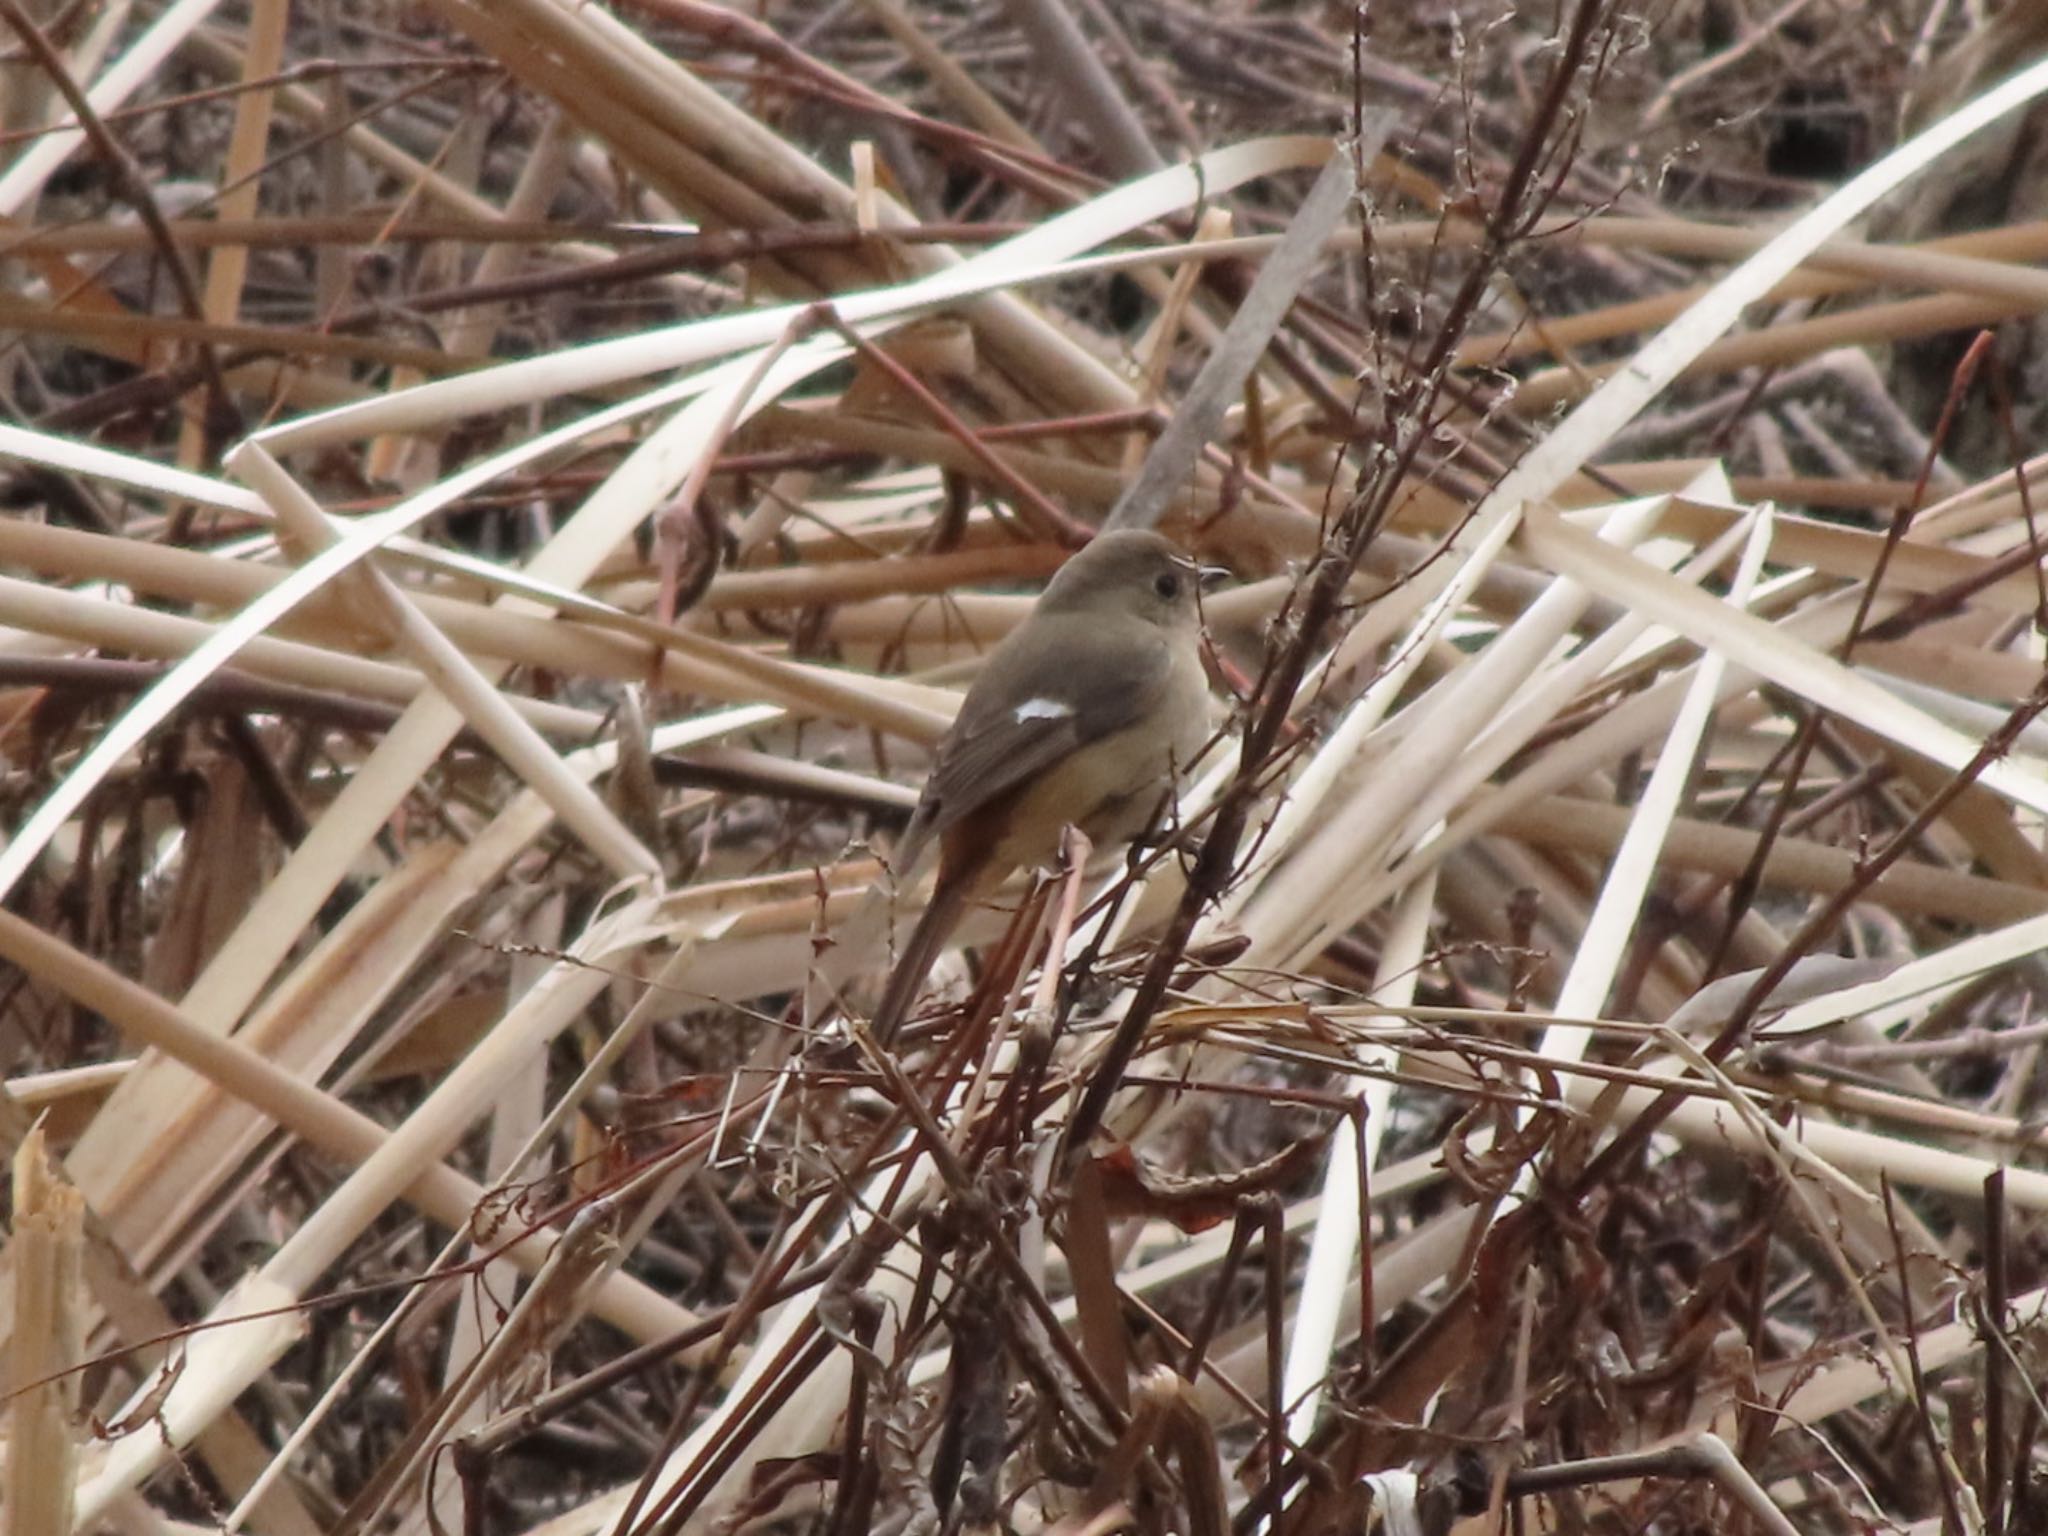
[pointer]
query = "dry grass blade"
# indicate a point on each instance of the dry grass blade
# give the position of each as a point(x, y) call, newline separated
point(46, 1270)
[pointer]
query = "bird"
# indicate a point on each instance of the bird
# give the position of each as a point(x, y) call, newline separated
point(1085, 715)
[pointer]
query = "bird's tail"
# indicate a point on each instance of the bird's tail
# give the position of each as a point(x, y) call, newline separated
point(920, 954)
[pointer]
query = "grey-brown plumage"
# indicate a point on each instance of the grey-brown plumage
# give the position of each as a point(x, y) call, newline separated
point(1082, 716)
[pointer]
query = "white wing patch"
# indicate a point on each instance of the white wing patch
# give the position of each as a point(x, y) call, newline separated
point(1043, 709)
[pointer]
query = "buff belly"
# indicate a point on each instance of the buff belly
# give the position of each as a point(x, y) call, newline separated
point(1111, 792)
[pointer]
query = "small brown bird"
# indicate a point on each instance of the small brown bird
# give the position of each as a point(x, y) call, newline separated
point(1083, 716)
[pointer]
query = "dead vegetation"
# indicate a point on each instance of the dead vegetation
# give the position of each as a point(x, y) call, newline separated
point(502, 496)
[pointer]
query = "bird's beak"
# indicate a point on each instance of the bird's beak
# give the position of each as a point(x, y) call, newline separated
point(1212, 576)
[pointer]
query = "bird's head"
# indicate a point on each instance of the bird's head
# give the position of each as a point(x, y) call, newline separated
point(1130, 572)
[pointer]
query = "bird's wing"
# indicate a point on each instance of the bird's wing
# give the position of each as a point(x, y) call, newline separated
point(1082, 691)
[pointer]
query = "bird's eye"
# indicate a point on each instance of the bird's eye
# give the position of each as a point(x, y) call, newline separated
point(1167, 585)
